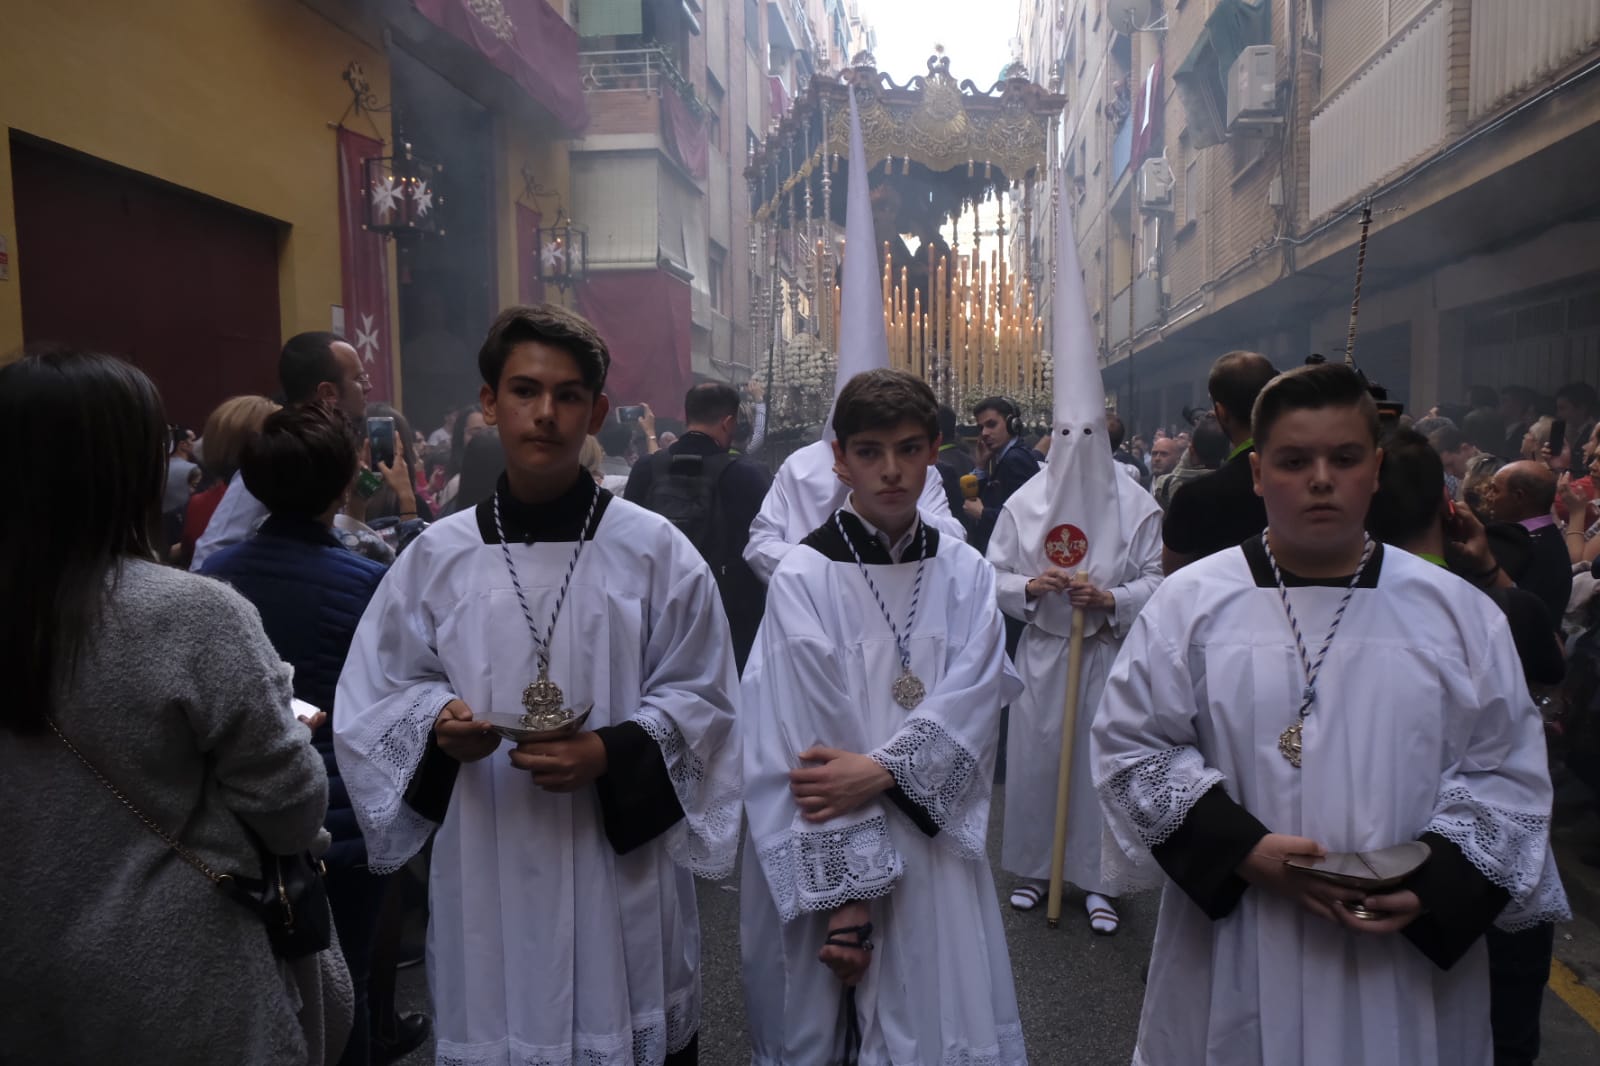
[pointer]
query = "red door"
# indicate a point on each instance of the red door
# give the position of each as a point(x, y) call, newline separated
point(183, 286)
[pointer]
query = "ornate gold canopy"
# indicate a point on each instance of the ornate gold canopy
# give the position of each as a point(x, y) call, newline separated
point(963, 142)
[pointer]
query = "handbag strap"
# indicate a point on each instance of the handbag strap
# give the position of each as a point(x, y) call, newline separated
point(221, 880)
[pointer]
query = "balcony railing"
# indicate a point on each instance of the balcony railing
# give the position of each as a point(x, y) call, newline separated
point(628, 70)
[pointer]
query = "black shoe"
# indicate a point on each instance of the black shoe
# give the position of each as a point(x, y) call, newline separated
point(408, 1034)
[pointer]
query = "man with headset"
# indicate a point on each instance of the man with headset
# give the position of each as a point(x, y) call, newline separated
point(1010, 464)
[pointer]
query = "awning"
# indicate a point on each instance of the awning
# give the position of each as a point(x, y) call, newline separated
point(1202, 77)
point(525, 40)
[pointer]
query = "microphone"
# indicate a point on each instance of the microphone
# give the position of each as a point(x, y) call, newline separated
point(969, 486)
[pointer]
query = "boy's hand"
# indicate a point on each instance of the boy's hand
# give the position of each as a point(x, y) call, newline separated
point(842, 782)
point(564, 765)
point(462, 737)
point(849, 965)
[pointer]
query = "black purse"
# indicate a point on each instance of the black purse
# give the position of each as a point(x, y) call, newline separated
point(289, 897)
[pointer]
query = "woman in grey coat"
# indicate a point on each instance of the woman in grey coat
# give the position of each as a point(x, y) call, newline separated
point(117, 950)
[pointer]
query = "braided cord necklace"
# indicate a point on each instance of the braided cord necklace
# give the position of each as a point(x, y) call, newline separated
point(543, 701)
point(908, 689)
point(1289, 741)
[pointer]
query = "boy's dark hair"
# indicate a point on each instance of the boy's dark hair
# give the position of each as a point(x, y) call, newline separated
point(998, 404)
point(1236, 379)
point(306, 362)
point(881, 399)
point(1312, 388)
point(302, 462)
point(546, 324)
point(710, 402)
point(1410, 488)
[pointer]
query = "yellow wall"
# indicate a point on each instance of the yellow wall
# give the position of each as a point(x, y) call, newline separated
point(518, 146)
point(230, 98)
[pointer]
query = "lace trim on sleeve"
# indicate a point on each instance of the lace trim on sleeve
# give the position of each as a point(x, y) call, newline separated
point(1153, 796)
point(707, 841)
point(941, 775)
point(377, 783)
point(821, 869)
point(1510, 848)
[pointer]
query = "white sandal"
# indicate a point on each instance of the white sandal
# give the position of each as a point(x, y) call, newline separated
point(1103, 918)
point(1026, 896)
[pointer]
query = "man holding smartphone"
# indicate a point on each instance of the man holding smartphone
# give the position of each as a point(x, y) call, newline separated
point(314, 367)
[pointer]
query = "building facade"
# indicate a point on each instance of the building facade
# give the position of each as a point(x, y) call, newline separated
point(171, 187)
point(1223, 150)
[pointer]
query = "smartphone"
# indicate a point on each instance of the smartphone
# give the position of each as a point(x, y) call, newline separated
point(380, 434)
point(1558, 436)
point(630, 412)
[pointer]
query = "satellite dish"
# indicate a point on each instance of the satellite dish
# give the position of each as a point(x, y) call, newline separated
point(1128, 16)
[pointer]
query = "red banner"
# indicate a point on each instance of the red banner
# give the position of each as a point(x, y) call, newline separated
point(644, 316)
point(530, 285)
point(685, 135)
point(364, 267)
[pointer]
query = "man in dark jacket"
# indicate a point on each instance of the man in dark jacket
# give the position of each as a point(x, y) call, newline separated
point(1011, 464)
point(712, 497)
point(311, 592)
point(1527, 541)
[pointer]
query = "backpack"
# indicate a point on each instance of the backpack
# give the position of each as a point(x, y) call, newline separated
point(683, 490)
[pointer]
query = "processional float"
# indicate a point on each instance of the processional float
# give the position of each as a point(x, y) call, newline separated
point(949, 162)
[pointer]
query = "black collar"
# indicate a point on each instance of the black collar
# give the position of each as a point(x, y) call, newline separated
point(554, 520)
point(1261, 569)
point(694, 442)
point(293, 527)
point(826, 541)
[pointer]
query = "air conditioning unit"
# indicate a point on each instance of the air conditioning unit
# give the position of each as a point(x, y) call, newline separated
point(1253, 89)
point(1156, 185)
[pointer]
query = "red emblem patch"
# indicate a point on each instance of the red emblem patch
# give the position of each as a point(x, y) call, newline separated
point(1066, 545)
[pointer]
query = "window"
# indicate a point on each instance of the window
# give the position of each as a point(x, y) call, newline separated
point(1247, 152)
point(1191, 190)
point(717, 277)
point(714, 105)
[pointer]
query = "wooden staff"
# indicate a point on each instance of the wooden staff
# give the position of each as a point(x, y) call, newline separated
point(1069, 725)
point(1361, 267)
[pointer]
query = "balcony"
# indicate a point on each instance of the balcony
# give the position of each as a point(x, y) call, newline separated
point(639, 99)
point(1516, 45)
point(1392, 113)
point(1121, 149)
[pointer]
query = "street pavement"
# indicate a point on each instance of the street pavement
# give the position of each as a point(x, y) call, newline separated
point(1079, 993)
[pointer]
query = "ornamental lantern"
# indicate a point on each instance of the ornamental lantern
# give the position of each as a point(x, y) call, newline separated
point(563, 253)
point(403, 199)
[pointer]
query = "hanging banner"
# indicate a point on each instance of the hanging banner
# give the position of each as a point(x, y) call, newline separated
point(364, 268)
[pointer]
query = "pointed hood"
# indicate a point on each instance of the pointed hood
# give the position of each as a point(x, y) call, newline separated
point(1080, 512)
point(863, 341)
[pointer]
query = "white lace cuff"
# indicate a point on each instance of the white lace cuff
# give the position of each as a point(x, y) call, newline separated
point(707, 840)
point(822, 869)
point(941, 775)
point(377, 778)
point(1151, 798)
point(1510, 848)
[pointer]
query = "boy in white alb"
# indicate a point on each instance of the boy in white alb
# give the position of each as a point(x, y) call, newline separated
point(870, 716)
point(1312, 692)
point(562, 923)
